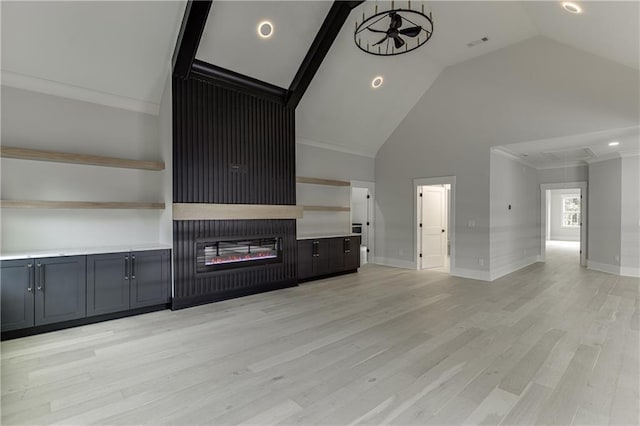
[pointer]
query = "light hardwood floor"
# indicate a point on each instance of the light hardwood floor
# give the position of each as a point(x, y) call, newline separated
point(550, 344)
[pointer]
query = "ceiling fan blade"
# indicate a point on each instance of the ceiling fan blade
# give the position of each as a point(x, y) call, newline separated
point(381, 41)
point(396, 21)
point(411, 31)
point(373, 30)
point(399, 42)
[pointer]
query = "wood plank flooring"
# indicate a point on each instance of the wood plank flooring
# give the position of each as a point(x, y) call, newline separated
point(553, 343)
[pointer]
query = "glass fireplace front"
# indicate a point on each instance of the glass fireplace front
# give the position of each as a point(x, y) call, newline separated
point(237, 253)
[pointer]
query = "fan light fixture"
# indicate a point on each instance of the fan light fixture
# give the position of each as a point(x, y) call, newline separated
point(265, 29)
point(394, 31)
point(614, 143)
point(377, 82)
point(571, 7)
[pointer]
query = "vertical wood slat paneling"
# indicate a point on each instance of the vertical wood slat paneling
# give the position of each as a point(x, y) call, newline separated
point(213, 129)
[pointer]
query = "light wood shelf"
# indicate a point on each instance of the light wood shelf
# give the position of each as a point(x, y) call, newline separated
point(318, 181)
point(326, 209)
point(92, 160)
point(35, 204)
point(201, 211)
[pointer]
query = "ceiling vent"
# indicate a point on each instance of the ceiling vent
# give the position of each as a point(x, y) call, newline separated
point(477, 42)
point(574, 154)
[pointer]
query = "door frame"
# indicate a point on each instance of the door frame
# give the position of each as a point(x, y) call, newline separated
point(442, 180)
point(371, 186)
point(583, 186)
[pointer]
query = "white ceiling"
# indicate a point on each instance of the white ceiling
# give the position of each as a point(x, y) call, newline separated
point(341, 109)
point(230, 37)
point(576, 150)
point(116, 48)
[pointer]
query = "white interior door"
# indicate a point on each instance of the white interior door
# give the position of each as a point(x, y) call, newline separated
point(434, 233)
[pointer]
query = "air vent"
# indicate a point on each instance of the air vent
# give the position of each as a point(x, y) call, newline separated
point(477, 42)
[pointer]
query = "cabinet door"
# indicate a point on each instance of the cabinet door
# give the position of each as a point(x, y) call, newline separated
point(305, 258)
point(16, 293)
point(336, 254)
point(107, 283)
point(322, 265)
point(60, 289)
point(352, 253)
point(149, 278)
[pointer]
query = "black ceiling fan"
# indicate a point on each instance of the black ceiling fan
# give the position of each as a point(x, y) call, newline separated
point(395, 32)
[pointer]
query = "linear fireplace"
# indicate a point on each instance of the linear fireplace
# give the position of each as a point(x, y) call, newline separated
point(225, 254)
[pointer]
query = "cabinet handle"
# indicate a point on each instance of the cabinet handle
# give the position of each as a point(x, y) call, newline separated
point(29, 275)
point(133, 267)
point(41, 277)
point(126, 267)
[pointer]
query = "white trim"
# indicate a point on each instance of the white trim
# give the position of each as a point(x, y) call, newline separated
point(331, 147)
point(54, 88)
point(441, 180)
point(472, 274)
point(603, 267)
point(508, 269)
point(627, 271)
point(583, 186)
point(510, 156)
point(395, 263)
point(371, 186)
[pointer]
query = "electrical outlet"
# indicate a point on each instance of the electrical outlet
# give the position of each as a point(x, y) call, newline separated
point(481, 261)
point(471, 223)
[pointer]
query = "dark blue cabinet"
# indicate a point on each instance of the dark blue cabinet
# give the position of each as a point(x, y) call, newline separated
point(149, 278)
point(17, 285)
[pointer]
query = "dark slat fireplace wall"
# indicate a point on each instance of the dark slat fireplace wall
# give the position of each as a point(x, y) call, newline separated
point(230, 148)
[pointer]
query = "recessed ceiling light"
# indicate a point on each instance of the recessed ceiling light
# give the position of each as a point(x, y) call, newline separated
point(614, 143)
point(571, 7)
point(377, 82)
point(265, 29)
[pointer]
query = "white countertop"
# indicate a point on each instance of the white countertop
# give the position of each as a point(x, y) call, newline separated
point(79, 251)
point(313, 237)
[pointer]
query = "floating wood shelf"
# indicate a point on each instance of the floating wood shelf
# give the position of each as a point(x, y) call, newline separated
point(317, 181)
point(201, 211)
point(33, 204)
point(92, 160)
point(327, 209)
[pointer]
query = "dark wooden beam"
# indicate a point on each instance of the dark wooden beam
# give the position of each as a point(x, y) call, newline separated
point(236, 81)
point(319, 48)
point(193, 22)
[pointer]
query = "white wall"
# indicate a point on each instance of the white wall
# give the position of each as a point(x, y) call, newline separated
point(556, 230)
point(563, 174)
point(536, 89)
point(165, 122)
point(33, 120)
point(314, 161)
point(630, 217)
point(605, 179)
point(514, 215)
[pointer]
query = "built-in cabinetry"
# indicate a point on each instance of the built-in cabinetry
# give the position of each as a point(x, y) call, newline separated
point(44, 291)
point(122, 281)
point(318, 257)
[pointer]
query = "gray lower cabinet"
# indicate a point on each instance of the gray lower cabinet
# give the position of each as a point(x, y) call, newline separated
point(16, 294)
point(121, 281)
point(42, 291)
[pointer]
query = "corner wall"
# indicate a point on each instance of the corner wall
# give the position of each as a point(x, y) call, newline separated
point(630, 217)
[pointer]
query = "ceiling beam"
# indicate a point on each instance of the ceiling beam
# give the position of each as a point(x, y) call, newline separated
point(319, 48)
point(240, 82)
point(193, 23)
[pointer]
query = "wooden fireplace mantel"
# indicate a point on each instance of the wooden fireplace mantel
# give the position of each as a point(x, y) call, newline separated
point(202, 211)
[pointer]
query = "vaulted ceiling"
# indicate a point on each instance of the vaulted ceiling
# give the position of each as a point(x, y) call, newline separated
point(118, 53)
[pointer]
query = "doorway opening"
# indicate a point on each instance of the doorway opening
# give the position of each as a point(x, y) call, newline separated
point(563, 221)
point(362, 216)
point(434, 224)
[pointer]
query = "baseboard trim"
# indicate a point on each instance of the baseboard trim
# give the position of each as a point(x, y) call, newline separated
point(394, 263)
point(627, 271)
point(472, 274)
point(603, 267)
point(513, 267)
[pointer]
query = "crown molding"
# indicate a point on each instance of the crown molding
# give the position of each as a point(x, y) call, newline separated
point(336, 148)
point(54, 88)
point(513, 157)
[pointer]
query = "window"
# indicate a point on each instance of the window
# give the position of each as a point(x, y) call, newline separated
point(570, 211)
